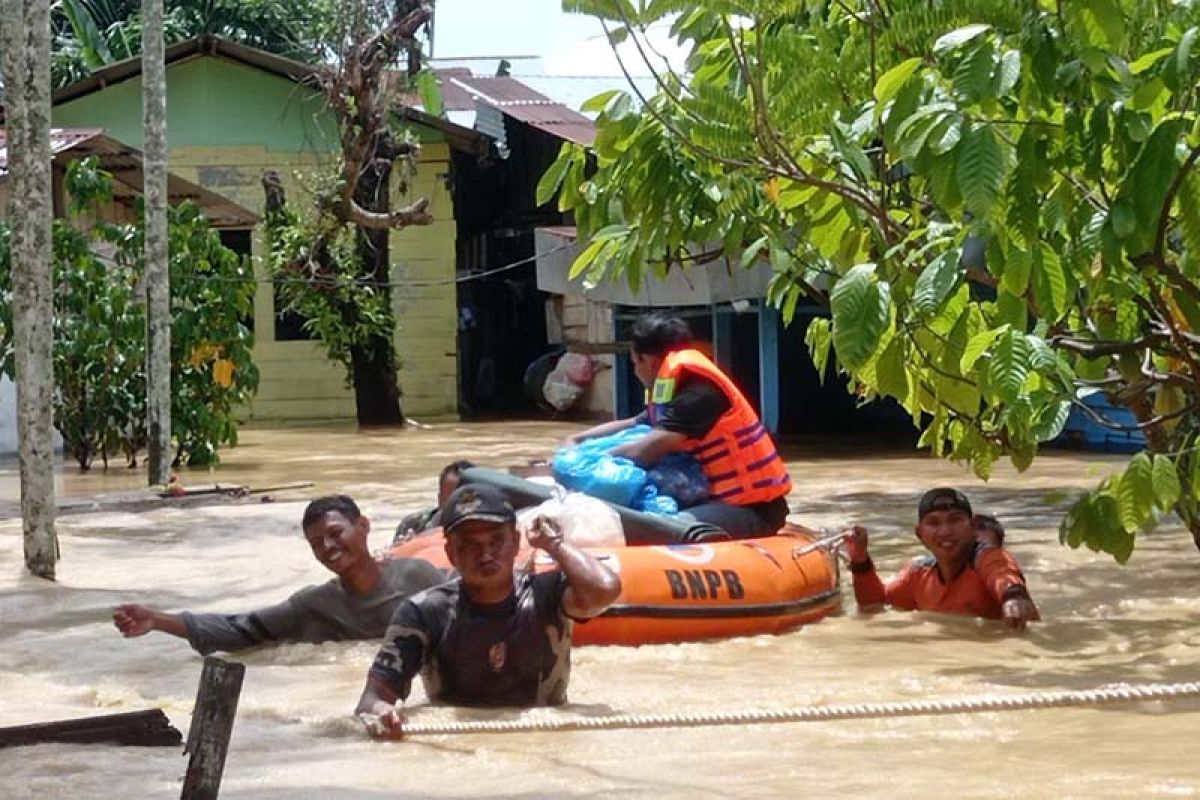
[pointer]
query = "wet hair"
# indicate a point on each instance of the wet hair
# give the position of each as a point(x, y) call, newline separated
point(455, 468)
point(986, 522)
point(659, 333)
point(339, 503)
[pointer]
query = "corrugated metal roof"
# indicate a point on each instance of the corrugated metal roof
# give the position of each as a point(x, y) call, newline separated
point(463, 92)
point(60, 139)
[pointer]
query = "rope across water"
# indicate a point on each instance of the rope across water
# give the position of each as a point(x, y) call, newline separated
point(911, 708)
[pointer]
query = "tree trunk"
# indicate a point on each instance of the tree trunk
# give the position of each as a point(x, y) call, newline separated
point(25, 55)
point(376, 383)
point(158, 291)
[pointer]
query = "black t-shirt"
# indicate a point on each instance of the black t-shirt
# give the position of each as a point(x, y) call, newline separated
point(694, 410)
point(515, 653)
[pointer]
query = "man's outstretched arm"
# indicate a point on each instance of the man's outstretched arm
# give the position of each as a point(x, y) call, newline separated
point(591, 586)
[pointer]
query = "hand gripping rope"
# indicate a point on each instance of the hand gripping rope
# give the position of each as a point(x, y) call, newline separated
point(911, 708)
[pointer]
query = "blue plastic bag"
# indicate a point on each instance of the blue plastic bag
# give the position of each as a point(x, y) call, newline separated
point(588, 468)
point(680, 476)
point(652, 502)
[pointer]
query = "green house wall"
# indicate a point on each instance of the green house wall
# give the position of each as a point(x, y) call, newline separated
point(227, 122)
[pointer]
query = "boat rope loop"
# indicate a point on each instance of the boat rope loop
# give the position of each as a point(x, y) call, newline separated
point(910, 708)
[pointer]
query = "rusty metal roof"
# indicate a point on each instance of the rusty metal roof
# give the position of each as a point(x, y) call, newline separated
point(462, 91)
point(124, 163)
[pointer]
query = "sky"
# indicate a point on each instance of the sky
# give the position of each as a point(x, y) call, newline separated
point(569, 44)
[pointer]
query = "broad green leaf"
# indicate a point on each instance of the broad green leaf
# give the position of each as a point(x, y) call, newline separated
point(860, 315)
point(892, 81)
point(959, 37)
point(430, 91)
point(1167, 488)
point(935, 283)
point(596, 103)
point(891, 374)
point(972, 78)
point(818, 339)
point(548, 185)
point(1018, 264)
point(1135, 493)
point(1149, 60)
point(980, 169)
point(977, 346)
point(1009, 366)
point(1008, 73)
point(1050, 283)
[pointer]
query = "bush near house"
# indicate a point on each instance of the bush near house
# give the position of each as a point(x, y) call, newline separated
point(100, 324)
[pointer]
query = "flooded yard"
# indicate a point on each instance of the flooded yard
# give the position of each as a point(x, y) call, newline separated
point(295, 738)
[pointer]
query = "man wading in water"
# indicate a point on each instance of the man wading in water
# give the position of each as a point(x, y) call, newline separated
point(493, 636)
point(965, 573)
point(357, 604)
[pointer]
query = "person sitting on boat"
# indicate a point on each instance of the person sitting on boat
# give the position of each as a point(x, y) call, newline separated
point(693, 407)
point(493, 636)
point(962, 575)
point(357, 604)
point(421, 521)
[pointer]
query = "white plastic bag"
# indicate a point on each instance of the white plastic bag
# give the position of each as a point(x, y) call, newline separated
point(584, 521)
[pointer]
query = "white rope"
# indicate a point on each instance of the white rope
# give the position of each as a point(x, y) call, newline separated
point(911, 708)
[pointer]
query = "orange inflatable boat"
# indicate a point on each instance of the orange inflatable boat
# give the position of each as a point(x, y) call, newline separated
point(686, 592)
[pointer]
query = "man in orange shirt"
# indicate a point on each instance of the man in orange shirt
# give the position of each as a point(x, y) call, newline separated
point(962, 575)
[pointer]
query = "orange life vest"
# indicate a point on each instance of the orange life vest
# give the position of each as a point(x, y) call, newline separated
point(737, 455)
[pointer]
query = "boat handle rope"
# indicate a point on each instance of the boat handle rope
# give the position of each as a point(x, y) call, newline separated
point(816, 713)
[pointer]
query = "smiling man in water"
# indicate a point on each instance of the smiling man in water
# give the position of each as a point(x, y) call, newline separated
point(493, 636)
point(962, 575)
point(357, 604)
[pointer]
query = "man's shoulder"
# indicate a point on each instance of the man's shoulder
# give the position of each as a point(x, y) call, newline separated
point(413, 568)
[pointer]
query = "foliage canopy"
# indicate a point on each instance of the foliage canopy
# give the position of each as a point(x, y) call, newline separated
point(997, 202)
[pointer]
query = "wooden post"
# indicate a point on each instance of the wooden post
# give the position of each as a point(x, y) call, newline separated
point(212, 724)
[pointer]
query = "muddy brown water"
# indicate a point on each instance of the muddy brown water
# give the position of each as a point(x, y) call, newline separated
point(294, 738)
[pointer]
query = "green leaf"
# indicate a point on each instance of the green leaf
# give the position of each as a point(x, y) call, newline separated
point(892, 81)
point(935, 283)
point(1050, 283)
point(548, 185)
point(1018, 264)
point(1135, 493)
point(977, 346)
point(891, 375)
point(1123, 218)
point(596, 103)
point(1009, 366)
point(818, 339)
point(1167, 488)
point(972, 78)
point(959, 37)
point(1009, 72)
point(861, 312)
point(430, 91)
point(1149, 60)
point(980, 169)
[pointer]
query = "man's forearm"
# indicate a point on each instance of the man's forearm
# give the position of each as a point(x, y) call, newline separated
point(650, 448)
point(170, 623)
point(605, 429)
point(593, 585)
point(375, 693)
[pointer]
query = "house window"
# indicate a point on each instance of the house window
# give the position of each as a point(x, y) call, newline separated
point(239, 241)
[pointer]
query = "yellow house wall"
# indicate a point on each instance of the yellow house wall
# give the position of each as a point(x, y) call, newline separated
point(297, 381)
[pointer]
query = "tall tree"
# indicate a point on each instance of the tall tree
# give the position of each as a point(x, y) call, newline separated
point(997, 202)
point(334, 265)
point(25, 60)
point(158, 289)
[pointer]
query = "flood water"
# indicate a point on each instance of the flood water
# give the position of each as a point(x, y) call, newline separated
point(1104, 624)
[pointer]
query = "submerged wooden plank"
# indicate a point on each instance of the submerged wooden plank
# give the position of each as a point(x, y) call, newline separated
point(134, 728)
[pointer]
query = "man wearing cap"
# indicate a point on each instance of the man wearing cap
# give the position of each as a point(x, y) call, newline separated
point(962, 574)
point(493, 636)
